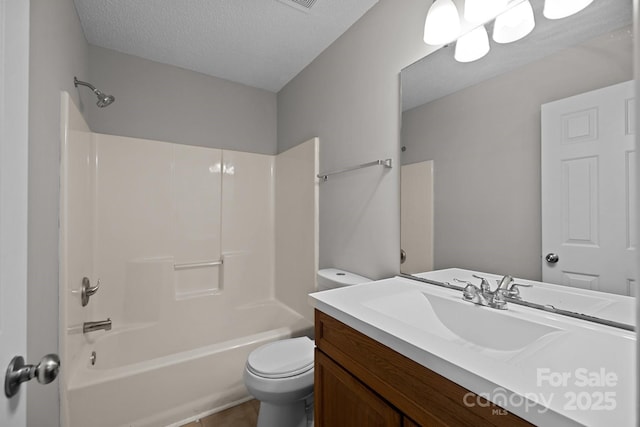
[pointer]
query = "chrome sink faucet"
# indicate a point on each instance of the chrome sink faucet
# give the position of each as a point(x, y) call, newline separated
point(96, 326)
point(503, 284)
point(483, 295)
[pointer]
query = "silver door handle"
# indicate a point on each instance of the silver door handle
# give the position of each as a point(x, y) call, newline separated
point(552, 258)
point(17, 373)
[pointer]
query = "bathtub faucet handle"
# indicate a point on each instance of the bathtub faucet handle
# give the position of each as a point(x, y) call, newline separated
point(87, 290)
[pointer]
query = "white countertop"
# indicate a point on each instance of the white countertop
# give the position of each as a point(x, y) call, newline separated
point(571, 372)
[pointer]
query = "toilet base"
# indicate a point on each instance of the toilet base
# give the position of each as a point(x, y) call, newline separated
point(294, 414)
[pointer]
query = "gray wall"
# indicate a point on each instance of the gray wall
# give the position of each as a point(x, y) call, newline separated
point(58, 51)
point(350, 98)
point(167, 103)
point(485, 143)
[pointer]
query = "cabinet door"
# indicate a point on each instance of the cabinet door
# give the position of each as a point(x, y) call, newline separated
point(342, 400)
point(408, 422)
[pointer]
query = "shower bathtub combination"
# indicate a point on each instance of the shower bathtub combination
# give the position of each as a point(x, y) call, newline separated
point(133, 384)
point(196, 265)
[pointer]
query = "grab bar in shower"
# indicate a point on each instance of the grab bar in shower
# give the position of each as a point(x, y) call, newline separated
point(185, 266)
point(386, 163)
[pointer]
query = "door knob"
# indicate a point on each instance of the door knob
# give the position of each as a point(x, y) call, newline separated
point(17, 372)
point(552, 258)
point(403, 256)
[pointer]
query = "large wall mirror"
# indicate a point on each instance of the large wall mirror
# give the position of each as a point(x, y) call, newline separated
point(471, 151)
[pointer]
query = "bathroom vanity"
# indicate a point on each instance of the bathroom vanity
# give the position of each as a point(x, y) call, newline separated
point(360, 382)
point(397, 352)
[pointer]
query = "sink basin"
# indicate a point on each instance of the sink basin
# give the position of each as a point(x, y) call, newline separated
point(455, 320)
point(487, 327)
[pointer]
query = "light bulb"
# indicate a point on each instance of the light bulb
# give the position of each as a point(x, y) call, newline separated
point(514, 24)
point(473, 45)
point(557, 9)
point(442, 24)
point(481, 11)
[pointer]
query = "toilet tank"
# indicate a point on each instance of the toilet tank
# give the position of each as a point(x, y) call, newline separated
point(331, 278)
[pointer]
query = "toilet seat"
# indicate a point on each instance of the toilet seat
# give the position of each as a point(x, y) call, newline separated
point(282, 359)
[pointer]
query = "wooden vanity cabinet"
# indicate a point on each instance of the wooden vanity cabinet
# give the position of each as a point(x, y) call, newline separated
point(345, 401)
point(359, 383)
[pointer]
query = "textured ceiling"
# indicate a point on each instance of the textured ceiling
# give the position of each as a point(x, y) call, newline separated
point(438, 74)
point(260, 43)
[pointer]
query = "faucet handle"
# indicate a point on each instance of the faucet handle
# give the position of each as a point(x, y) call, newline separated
point(465, 282)
point(87, 290)
point(514, 290)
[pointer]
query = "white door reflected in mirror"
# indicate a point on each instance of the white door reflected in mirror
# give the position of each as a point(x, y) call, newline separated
point(588, 184)
point(416, 213)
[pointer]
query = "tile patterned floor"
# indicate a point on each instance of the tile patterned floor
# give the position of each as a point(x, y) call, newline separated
point(243, 415)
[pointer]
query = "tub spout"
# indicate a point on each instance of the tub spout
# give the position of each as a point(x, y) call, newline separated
point(96, 326)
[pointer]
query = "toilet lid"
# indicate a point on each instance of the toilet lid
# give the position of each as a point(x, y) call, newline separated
point(281, 359)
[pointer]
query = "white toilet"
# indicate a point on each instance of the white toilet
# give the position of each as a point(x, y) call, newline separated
point(280, 374)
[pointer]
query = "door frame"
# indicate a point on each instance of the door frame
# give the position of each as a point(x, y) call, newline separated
point(14, 165)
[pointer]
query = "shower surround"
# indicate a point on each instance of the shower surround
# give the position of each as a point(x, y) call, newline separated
point(195, 270)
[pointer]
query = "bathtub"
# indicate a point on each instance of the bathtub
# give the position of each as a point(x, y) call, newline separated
point(152, 375)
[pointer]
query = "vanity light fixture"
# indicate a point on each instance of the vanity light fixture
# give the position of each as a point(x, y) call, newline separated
point(514, 19)
point(473, 45)
point(557, 9)
point(442, 24)
point(514, 24)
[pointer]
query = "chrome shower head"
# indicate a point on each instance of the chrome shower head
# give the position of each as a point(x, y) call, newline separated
point(103, 100)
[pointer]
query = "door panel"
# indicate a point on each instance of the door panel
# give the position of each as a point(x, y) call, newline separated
point(342, 400)
point(588, 187)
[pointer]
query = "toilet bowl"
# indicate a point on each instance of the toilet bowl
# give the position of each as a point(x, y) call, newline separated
point(280, 374)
